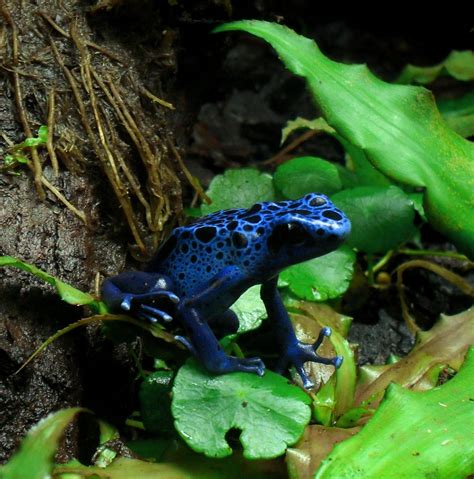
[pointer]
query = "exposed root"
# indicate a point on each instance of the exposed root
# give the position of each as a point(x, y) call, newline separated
point(453, 278)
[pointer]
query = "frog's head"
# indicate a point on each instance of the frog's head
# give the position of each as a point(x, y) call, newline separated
point(307, 228)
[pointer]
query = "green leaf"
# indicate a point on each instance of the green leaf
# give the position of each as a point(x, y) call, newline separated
point(238, 189)
point(34, 460)
point(250, 310)
point(433, 432)
point(381, 217)
point(417, 199)
point(67, 293)
point(307, 174)
point(398, 127)
point(318, 124)
point(127, 468)
point(322, 278)
point(198, 466)
point(458, 64)
point(459, 113)
point(271, 413)
point(155, 402)
point(365, 173)
point(41, 139)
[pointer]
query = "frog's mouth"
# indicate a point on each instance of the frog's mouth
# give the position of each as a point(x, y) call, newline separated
point(288, 234)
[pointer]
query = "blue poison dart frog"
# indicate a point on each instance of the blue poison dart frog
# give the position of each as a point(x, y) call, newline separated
point(203, 268)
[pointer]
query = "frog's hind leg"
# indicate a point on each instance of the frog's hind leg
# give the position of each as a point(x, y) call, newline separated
point(204, 345)
point(293, 351)
point(224, 324)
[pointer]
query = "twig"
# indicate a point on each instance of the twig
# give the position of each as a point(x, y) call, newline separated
point(192, 180)
point(453, 278)
point(80, 214)
point(105, 154)
point(49, 142)
point(93, 45)
point(155, 99)
point(37, 169)
point(280, 156)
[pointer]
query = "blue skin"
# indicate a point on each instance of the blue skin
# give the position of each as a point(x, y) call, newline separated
point(203, 268)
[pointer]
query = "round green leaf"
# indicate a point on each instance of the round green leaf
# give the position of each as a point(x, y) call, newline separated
point(381, 217)
point(322, 278)
point(270, 412)
point(307, 174)
point(250, 309)
point(238, 189)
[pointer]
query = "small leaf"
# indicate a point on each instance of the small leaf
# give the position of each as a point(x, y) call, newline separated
point(316, 443)
point(318, 124)
point(41, 139)
point(459, 114)
point(34, 460)
point(381, 217)
point(322, 278)
point(439, 441)
point(250, 310)
point(307, 174)
point(417, 199)
point(67, 293)
point(43, 134)
point(458, 64)
point(270, 412)
point(239, 189)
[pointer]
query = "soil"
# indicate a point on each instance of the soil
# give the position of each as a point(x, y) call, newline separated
point(231, 97)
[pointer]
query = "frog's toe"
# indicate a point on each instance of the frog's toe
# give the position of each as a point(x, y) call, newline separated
point(307, 383)
point(186, 343)
point(126, 303)
point(324, 333)
point(251, 365)
point(154, 312)
point(165, 294)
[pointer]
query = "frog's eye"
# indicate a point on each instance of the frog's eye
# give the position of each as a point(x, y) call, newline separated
point(296, 234)
point(318, 201)
point(286, 234)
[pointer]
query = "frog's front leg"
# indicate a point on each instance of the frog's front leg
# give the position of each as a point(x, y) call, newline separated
point(294, 351)
point(202, 341)
point(137, 292)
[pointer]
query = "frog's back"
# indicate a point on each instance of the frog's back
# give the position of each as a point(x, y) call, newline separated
point(194, 254)
point(252, 239)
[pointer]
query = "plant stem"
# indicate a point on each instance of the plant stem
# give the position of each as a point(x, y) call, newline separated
point(422, 252)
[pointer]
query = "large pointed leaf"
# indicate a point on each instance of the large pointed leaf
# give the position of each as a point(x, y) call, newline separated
point(398, 127)
point(413, 434)
point(34, 460)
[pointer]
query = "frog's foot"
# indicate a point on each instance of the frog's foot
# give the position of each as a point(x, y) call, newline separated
point(300, 353)
point(145, 311)
point(223, 364)
point(230, 364)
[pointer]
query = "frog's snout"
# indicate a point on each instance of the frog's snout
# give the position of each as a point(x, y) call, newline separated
point(338, 226)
